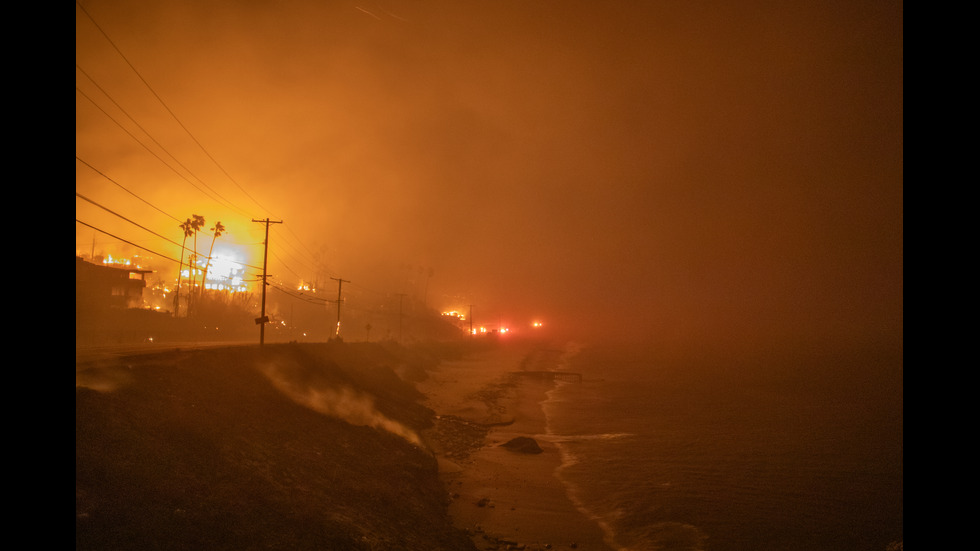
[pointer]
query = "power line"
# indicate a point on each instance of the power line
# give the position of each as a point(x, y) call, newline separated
point(299, 253)
point(286, 266)
point(177, 120)
point(126, 241)
point(165, 106)
point(263, 319)
point(175, 171)
point(79, 195)
point(150, 136)
point(340, 284)
point(300, 296)
point(219, 199)
point(311, 253)
point(148, 230)
point(126, 190)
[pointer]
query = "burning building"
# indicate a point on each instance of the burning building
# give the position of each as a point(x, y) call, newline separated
point(108, 286)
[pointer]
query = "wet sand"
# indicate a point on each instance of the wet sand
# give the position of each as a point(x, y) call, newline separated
point(503, 497)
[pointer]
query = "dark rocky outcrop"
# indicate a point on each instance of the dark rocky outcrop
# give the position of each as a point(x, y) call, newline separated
point(523, 444)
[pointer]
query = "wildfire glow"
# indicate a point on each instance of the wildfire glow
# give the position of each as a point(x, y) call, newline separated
point(116, 261)
point(110, 260)
point(303, 286)
point(225, 272)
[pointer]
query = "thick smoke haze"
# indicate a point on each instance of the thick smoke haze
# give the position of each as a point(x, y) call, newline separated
point(708, 171)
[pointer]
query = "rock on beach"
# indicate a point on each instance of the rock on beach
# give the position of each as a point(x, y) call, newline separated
point(523, 444)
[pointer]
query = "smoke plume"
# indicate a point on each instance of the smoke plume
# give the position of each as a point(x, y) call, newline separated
point(341, 402)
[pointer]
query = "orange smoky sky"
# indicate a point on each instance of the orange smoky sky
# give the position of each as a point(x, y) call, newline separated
point(676, 170)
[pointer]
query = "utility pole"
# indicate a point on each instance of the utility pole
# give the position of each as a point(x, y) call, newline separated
point(263, 319)
point(340, 284)
point(471, 319)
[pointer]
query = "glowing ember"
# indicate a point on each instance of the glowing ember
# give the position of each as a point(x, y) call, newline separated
point(110, 260)
point(303, 286)
point(454, 314)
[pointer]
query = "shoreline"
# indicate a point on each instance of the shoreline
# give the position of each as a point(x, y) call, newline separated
point(503, 498)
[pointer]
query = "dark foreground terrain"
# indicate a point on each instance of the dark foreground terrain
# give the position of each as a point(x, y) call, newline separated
point(226, 449)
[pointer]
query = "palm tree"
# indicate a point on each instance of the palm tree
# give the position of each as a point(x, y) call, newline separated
point(218, 229)
point(197, 222)
point(187, 227)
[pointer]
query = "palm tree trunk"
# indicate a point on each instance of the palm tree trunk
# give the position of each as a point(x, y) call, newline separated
point(191, 294)
point(207, 263)
point(179, 270)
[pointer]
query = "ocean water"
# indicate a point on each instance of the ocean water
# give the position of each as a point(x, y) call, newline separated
point(799, 450)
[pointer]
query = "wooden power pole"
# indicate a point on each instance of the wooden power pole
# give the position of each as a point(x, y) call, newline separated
point(340, 284)
point(263, 319)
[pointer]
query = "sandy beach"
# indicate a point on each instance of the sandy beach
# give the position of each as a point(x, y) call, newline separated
point(501, 497)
